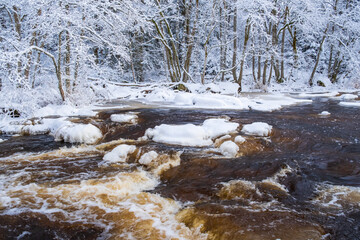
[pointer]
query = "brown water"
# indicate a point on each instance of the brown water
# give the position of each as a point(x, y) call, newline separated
point(301, 183)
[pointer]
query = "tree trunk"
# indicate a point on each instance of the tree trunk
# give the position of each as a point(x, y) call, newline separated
point(67, 57)
point(282, 75)
point(233, 65)
point(264, 72)
point(17, 21)
point(246, 39)
point(191, 45)
point(318, 57)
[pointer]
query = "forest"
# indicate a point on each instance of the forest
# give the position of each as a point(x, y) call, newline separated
point(59, 50)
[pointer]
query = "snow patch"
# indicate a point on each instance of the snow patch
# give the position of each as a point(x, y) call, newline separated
point(257, 129)
point(239, 139)
point(201, 98)
point(272, 102)
point(346, 97)
point(324, 113)
point(350, 104)
point(63, 110)
point(217, 127)
point(190, 134)
point(229, 149)
point(124, 118)
point(119, 154)
point(148, 157)
point(2, 140)
point(324, 94)
point(78, 133)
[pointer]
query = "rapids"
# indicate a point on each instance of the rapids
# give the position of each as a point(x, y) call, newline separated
point(301, 182)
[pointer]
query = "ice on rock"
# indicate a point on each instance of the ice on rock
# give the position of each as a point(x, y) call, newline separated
point(324, 113)
point(239, 139)
point(190, 134)
point(148, 157)
point(119, 154)
point(260, 129)
point(78, 133)
point(350, 104)
point(217, 127)
point(124, 118)
point(272, 102)
point(347, 97)
point(184, 135)
point(229, 149)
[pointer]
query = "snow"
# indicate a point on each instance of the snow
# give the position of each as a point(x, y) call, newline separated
point(350, 104)
point(2, 140)
point(124, 118)
point(148, 157)
point(272, 102)
point(257, 129)
point(239, 139)
point(119, 154)
point(324, 94)
point(205, 100)
point(217, 127)
point(190, 134)
point(78, 133)
point(185, 135)
point(324, 113)
point(63, 110)
point(229, 149)
point(346, 97)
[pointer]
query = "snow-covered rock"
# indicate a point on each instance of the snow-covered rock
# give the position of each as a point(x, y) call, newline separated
point(257, 129)
point(190, 134)
point(78, 133)
point(2, 140)
point(124, 118)
point(148, 157)
point(239, 139)
point(324, 113)
point(346, 97)
point(350, 104)
point(229, 149)
point(274, 101)
point(217, 127)
point(185, 135)
point(119, 154)
point(323, 94)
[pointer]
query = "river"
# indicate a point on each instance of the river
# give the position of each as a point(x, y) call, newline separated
point(302, 182)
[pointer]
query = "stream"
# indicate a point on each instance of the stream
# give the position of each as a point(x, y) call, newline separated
point(302, 182)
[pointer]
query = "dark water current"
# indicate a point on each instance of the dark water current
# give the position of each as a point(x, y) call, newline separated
point(301, 183)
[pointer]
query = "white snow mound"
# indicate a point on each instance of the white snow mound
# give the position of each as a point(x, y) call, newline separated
point(229, 149)
point(124, 118)
point(217, 127)
point(190, 134)
point(2, 140)
point(78, 133)
point(347, 97)
point(119, 154)
point(257, 129)
point(148, 157)
point(239, 139)
point(350, 104)
point(324, 113)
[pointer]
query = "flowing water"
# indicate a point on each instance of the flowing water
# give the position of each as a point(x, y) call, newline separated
point(302, 182)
